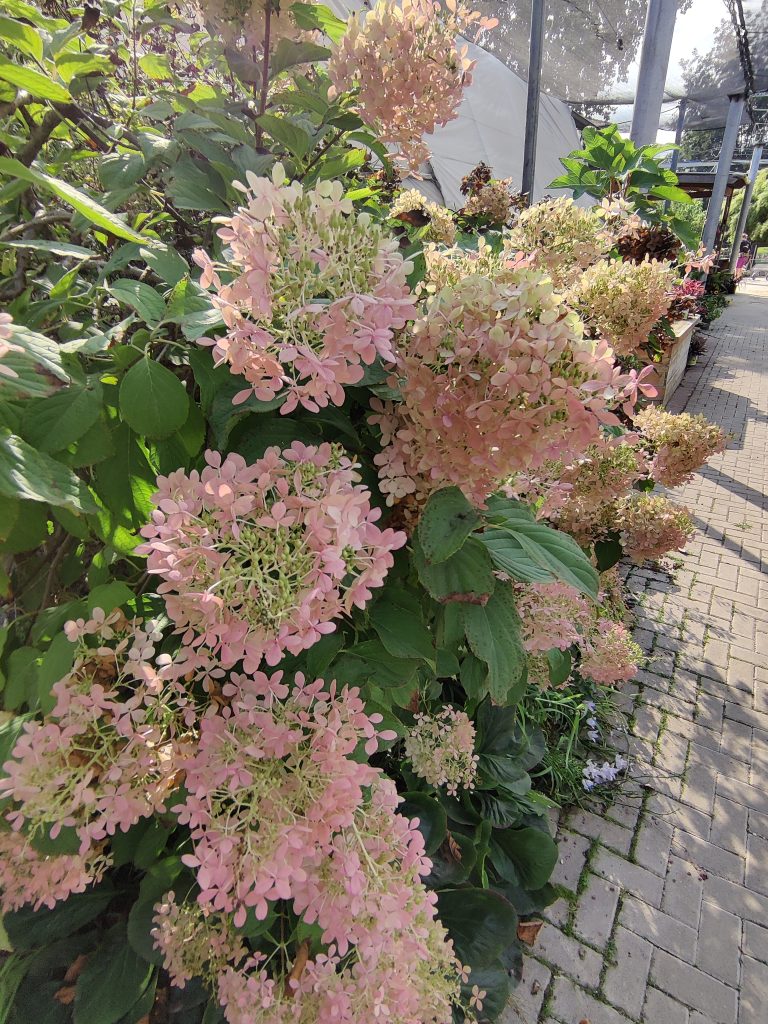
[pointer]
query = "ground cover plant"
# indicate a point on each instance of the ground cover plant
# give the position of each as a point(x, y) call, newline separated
point(311, 495)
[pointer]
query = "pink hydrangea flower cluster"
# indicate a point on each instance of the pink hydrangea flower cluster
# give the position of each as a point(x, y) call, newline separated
point(552, 614)
point(494, 379)
point(242, 23)
point(259, 560)
point(605, 473)
point(652, 526)
point(409, 75)
point(415, 980)
point(562, 238)
point(27, 876)
point(279, 809)
point(441, 749)
point(610, 656)
point(680, 444)
point(6, 330)
point(104, 758)
point(314, 292)
point(623, 301)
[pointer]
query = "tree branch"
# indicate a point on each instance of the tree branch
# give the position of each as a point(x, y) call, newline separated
point(38, 137)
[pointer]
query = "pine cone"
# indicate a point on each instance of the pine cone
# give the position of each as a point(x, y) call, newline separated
point(635, 242)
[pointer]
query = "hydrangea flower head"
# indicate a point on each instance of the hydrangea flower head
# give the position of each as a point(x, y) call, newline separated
point(104, 758)
point(553, 615)
point(258, 560)
point(610, 655)
point(313, 293)
point(651, 526)
point(623, 302)
point(409, 75)
point(562, 238)
point(440, 224)
point(441, 749)
point(495, 379)
point(681, 443)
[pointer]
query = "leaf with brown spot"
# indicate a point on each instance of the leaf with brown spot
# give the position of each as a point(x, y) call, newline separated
point(65, 995)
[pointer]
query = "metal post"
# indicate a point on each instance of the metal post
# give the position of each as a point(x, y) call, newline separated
point(732, 123)
point(681, 112)
point(754, 170)
point(534, 92)
point(654, 61)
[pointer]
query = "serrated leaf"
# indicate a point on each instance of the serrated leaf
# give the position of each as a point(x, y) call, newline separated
point(153, 401)
point(72, 65)
point(65, 417)
point(508, 555)
point(77, 252)
point(446, 522)
point(35, 476)
point(493, 634)
point(396, 617)
point(93, 212)
point(296, 140)
point(142, 297)
point(38, 368)
point(110, 984)
point(466, 577)
point(320, 17)
point(34, 82)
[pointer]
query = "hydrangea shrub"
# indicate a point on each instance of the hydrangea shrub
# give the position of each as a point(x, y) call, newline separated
point(304, 488)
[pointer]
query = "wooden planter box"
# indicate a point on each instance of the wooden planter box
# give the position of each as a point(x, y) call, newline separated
point(675, 359)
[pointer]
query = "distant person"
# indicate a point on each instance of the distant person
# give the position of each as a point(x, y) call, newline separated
point(745, 252)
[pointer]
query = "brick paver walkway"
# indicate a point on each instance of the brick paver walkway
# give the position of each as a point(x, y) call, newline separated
point(664, 913)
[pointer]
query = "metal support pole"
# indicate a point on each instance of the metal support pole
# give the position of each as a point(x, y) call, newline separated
point(654, 61)
point(681, 112)
point(732, 123)
point(754, 170)
point(538, 10)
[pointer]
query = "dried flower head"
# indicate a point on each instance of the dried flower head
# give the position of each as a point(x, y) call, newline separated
point(437, 219)
point(652, 526)
point(680, 444)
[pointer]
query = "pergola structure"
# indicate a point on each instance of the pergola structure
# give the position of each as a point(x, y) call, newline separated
point(700, 185)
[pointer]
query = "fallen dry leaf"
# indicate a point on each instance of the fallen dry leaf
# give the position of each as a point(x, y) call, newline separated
point(528, 931)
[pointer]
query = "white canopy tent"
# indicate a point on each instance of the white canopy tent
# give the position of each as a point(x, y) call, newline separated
point(491, 127)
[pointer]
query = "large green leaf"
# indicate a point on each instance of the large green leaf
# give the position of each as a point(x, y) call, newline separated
point(433, 821)
point(148, 303)
point(77, 252)
point(34, 476)
point(93, 212)
point(32, 929)
point(38, 368)
point(446, 522)
point(396, 617)
point(153, 401)
point(65, 417)
point(526, 855)
point(493, 634)
point(125, 483)
point(508, 554)
point(22, 37)
point(111, 983)
point(481, 923)
point(296, 140)
point(549, 549)
point(34, 82)
point(320, 17)
point(465, 577)
point(290, 53)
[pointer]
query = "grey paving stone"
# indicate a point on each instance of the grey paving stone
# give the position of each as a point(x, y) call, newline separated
point(719, 952)
point(595, 827)
point(596, 911)
point(757, 864)
point(729, 826)
point(753, 996)
point(662, 1009)
point(631, 877)
point(572, 853)
point(572, 957)
point(755, 941)
point(572, 1005)
point(694, 988)
point(683, 889)
point(708, 856)
point(663, 931)
point(625, 983)
point(526, 1000)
